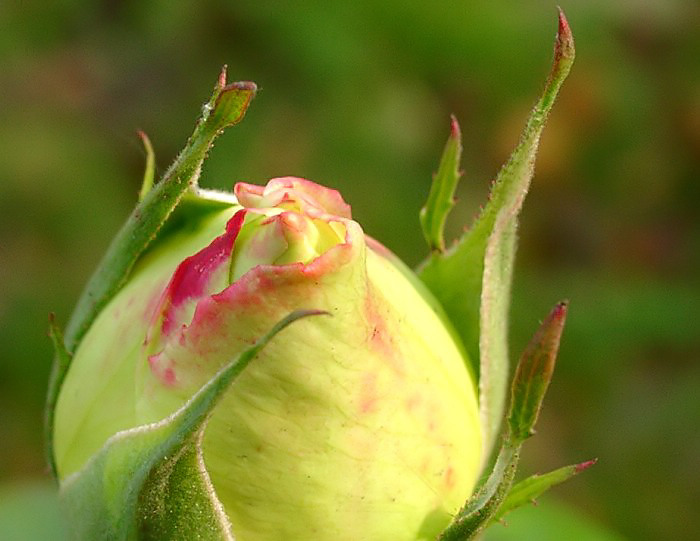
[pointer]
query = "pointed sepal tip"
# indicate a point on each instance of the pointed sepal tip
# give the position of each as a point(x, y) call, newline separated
point(585, 465)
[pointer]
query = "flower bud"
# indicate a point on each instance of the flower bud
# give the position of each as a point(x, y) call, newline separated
point(193, 396)
point(362, 424)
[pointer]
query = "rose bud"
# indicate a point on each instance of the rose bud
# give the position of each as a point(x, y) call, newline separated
point(194, 397)
point(360, 425)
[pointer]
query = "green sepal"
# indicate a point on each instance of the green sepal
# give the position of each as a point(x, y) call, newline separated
point(226, 107)
point(530, 383)
point(150, 169)
point(59, 368)
point(473, 279)
point(527, 490)
point(441, 197)
point(149, 482)
point(177, 500)
point(533, 374)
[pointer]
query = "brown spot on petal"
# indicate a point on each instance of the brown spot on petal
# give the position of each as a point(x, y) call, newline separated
point(413, 402)
point(450, 477)
point(380, 338)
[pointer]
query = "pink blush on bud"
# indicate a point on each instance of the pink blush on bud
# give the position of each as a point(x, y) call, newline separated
point(194, 275)
point(165, 373)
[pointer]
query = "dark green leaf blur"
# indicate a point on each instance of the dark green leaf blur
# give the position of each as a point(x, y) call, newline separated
point(357, 96)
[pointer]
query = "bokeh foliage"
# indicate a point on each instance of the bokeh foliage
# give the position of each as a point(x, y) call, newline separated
point(357, 95)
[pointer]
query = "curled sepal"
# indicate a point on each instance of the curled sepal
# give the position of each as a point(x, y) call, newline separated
point(226, 107)
point(527, 490)
point(441, 197)
point(472, 280)
point(533, 374)
point(61, 362)
point(150, 482)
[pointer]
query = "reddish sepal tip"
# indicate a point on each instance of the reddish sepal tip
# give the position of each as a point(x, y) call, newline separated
point(563, 22)
point(585, 465)
point(242, 85)
point(142, 135)
point(565, 39)
point(560, 310)
point(222, 76)
point(454, 127)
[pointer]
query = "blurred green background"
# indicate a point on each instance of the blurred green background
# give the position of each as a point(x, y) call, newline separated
point(357, 95)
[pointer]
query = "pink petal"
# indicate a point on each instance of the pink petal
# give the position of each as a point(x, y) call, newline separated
point(194, 274)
